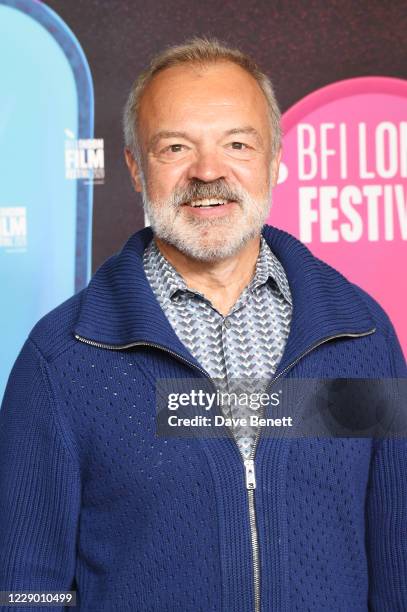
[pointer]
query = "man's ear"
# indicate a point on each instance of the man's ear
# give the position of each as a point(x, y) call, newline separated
point(275, 164)
point(134, 169)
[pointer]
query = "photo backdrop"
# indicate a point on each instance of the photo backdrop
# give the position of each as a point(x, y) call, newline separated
point(66, 202)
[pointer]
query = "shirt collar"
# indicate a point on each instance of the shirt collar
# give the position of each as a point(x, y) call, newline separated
point(172, 281)
point(267, 268)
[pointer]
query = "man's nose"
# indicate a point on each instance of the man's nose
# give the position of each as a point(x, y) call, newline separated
point(207, 167)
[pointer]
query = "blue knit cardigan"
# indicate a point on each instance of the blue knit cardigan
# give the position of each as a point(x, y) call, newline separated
point(92, 500)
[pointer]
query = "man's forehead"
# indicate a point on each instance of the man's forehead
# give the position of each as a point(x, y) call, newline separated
point(188, 79)
point(200, 71)
point(180, 94)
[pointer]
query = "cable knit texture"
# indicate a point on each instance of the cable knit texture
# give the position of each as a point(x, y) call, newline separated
point(92, 500)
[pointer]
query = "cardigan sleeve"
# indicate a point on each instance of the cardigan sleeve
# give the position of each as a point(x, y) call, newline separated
point(39, 486)
point(386, 524)
point(386, 519)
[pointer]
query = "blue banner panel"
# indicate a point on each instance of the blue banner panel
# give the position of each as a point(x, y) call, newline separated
point(46, 109)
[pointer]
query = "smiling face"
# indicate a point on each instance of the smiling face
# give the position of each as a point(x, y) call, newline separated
point(207, 169)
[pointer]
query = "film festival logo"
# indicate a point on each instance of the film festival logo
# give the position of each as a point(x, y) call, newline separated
point(84, 158)
point(13, 228)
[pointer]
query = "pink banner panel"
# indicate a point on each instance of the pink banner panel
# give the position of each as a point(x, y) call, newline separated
point(342, 184)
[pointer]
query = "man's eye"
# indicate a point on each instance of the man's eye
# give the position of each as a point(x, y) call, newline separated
point(239, 146)
point(175, 148)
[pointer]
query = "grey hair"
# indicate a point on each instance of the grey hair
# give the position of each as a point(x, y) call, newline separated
point(201, 51)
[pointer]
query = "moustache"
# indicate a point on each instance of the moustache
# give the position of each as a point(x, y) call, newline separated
point(198, 190)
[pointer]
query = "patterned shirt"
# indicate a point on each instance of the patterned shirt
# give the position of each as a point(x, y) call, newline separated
point(247, 343)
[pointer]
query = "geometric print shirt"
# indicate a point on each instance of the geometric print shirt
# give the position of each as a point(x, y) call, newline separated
point(246, 344)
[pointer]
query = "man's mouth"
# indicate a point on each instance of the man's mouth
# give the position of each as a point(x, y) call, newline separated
point(206, 203)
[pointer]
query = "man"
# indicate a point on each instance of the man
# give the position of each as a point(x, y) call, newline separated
point(91, 498)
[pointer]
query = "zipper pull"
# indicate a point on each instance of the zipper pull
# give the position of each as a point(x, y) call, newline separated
point(250, 476)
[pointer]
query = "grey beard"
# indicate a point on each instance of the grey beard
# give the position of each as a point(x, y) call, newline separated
point(190, 238)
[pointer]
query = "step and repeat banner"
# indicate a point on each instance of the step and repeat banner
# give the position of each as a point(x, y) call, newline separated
point(66, 203)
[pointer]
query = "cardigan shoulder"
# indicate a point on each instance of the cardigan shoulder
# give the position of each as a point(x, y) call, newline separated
point(377, 312)
point(53, 333)
point(385, 328)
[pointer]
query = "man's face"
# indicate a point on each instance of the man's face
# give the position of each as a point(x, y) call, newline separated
point(207, 170)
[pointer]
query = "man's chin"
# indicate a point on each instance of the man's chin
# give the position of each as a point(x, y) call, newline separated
point(206, 254)
point(209, 248)
point(207, 240)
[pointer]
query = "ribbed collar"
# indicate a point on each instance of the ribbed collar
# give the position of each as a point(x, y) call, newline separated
point(119, 307)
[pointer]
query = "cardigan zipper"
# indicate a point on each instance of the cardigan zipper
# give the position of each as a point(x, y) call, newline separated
point(249, 465)
point(120, 347)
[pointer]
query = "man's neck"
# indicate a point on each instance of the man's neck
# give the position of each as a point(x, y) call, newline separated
point(222, 281)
